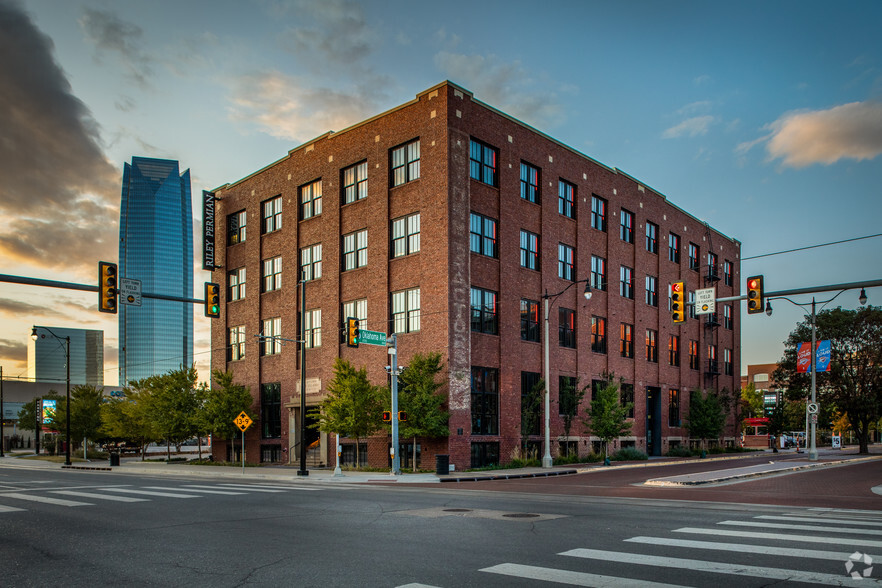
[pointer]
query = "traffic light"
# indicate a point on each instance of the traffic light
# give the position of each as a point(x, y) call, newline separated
point(678, 314)
point(387, 416)
point(107, 287)
point(212, 300)
point(352, 332)
point(755, 296)
point(402, 415)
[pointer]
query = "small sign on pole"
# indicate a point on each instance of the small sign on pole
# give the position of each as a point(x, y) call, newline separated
point(130, 291)
point(243, 421)
point(706, 301)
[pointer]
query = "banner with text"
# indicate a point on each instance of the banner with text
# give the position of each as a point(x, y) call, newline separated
point(804, 357)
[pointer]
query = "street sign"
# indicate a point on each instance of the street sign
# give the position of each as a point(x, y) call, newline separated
point(813, 407)
point(705, 301)
point(371, 338)
point(130, 291)
point(243, 421)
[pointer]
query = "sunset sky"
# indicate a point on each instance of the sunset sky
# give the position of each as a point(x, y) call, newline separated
point(763, 119)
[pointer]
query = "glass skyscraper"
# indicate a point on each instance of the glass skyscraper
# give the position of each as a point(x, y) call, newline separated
point(47, 356)
point(156, 247)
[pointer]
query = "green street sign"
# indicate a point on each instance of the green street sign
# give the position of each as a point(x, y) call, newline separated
point(366, 337)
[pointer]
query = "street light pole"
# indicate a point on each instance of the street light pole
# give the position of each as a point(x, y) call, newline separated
point(34, 336)
point(549, 299)
point(303, 471)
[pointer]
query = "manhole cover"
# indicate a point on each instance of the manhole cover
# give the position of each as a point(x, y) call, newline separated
point(457, 510)
point(520, 515)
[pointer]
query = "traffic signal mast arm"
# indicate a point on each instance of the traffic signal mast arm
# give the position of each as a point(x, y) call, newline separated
point(87, 287)
point(809, 290)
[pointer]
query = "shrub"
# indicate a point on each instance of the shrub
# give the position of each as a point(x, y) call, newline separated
point(680, 451)
point(629, 454)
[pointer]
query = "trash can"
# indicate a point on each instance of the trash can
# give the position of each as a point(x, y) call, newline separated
point(442, 465)
point(114, 459)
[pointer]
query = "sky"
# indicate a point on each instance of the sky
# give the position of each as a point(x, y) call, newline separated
point(761, 118)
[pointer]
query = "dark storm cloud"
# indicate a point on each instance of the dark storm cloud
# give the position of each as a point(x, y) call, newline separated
point(51, 160)
point(14, 350)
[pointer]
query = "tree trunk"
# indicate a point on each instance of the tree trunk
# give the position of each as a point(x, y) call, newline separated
point(414, 454)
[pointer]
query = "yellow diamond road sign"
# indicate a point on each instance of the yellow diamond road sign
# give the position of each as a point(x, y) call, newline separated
point(243, 421)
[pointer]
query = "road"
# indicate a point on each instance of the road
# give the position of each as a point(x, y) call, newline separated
point(94, 528)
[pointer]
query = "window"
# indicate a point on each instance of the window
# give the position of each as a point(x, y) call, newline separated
point(566, 327)
point(652, 237)
point(529, 182)
point(674, 350)
point(694, 263)
point(355, 309)
point(529, 250)
point(355, 250)
point(598, 334)
point(674, 247)
point(237, 284)
point(236, 227)
point(598, 213)
point(406, 163)
point(311, 200)
point(626, 397)
point(626, 287)
point(355, 182)
point(484, 311)
point(271, 411)
point(651, 346)
point(727, 362)
point(311, 262)
point(626, 341)
point(598, 273)
point(406, 235)
point(530, 320)
point(565, 262)
point(272, 274)
point(533, 414)
point(565, 197)
point(727, 272)
point(712, 270)
point(236, 347)
point(727, 316)
point(270, 344)
point(482, 162)
point(626, 231)
point(482, 231)
point(673, 408)
point(272, 215)
point(313, 328)
point(566, 395)
point(484, 454)
point(406, 310)
point(485, 401)
point(712, 359)
point(651, 291)
point(693, 355)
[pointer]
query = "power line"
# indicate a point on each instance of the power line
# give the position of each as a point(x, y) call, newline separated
point(811, 247)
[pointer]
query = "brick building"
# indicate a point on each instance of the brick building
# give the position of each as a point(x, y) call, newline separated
point(446, 221)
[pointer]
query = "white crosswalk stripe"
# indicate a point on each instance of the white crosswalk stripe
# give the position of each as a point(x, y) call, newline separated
point(44, 499)
point(152, 493)
point(571, 578)
point(195, 489)
point(98, 496)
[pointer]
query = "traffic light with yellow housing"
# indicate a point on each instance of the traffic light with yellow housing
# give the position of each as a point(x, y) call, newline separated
point(352, 332)
point(678, 308)
point(755, 295)
point(107, 287)
point(212, 300)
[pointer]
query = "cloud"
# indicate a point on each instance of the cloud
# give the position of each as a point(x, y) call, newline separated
point(701, 80)
point(18, 308)
point(14, 350)
point(337, 35)
point(504, 85)
point(697, 125)
point(55, 176)
point(848, 131)
point(286, 107)
point(110, 34)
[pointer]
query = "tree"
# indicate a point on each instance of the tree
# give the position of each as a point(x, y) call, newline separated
point(353, 406)
point(571, 396)
point(854, 383)
point(85, 413)
point(221, 404)
point(706, 415)
point(129, 418)
point(752, 402)
point(607, 418)
point(173, 405)
point(420, 397)
point(531, 411)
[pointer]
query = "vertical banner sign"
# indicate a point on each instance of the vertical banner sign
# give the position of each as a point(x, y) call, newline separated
point(804, 357)
point(822, 360)
point(48, 412)
point(208, 230)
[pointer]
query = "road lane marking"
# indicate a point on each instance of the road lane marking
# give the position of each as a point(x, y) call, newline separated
point(100, 496)
point(257, 488)
point(569, 577)
point(197, 491)
point(823, 538)
point(9, 508)
point(152, 493)
point(46, 499)
point(714, 567)
point(826, 529)
point(877, 523)
point(207, 490)
point(745, 548)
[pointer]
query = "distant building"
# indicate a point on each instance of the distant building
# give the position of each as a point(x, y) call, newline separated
point(156, 247)
point(47, 356)
point(760, 375)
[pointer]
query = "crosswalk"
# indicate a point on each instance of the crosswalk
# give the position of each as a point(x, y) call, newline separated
point(17, 500)
point(729, 549)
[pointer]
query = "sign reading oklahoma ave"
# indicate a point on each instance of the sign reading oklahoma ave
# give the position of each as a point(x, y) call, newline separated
point(243, 421)
point(371, 337)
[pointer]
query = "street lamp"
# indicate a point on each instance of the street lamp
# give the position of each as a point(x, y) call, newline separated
point(813, 450)
point(35, 336)
point(550, 299)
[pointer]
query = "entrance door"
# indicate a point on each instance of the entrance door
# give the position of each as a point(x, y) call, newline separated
point(653, 420)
